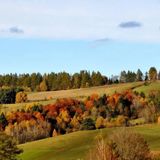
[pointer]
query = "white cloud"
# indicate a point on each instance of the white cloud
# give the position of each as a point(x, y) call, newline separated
point(82, 19)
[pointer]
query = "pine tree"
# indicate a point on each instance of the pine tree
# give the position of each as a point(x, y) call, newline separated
point(139, 75)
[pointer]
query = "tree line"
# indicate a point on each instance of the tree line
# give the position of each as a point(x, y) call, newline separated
point(63, 80)
point(130, 76)
point(53, 81)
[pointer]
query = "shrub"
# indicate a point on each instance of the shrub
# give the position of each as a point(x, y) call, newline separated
point(100, 152)
point(21, 97)
point(148, 113)
point(8, 148)
point(122, 145)
point(127, 145)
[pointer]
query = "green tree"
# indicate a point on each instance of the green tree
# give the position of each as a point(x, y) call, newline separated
point(97, 79)
point(159, 76)
point(76, 80)
point(153, 73)
point(3, 121)
point(130, 76)
point(139, 76)
point(36, 79)
point(7, 96)
point(8, 148)
point(146, 76)
point(123, 77)
point(27, 81)
point(52, 81)
point(85, 79)
point(63, 81)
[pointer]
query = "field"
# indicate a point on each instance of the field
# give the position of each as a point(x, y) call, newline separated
point(83, 92)
point(147, 88)
point(76, 145)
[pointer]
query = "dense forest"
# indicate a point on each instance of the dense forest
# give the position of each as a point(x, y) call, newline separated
point(63, 80)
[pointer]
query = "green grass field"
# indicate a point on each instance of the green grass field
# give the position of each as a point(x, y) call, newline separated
point(147, 88)
point(76, 145)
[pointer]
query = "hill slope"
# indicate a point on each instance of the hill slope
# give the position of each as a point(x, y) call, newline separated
point(75, 145)
point(83, 92)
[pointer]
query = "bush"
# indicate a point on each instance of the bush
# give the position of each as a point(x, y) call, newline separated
point(100, 152)
point(21, 97)
point(127, 145)
point(8, 148)
point(154, 98)
point(149, 114)
point(122, 145)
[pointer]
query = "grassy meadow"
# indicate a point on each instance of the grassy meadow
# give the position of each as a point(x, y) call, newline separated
point(149, 87)
point(83, 92)
point(76, 145)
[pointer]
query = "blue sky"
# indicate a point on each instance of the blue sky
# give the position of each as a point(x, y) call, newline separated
point(107, 35)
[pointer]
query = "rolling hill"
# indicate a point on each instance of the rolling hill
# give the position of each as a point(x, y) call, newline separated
point(76, 145)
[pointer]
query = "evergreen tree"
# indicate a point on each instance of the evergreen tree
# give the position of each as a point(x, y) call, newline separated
point(130, 76)
point(85, 79)
point(123, 77)
point(159, 76)
point(139, 75)
point(8, 148)
point(76, 80)
point(97, 79)
point(146, 76)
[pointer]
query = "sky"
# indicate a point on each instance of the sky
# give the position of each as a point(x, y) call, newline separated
point(107, 35)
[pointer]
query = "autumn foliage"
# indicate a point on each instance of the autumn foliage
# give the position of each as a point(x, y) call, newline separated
point(68, 115)
point(21, 97)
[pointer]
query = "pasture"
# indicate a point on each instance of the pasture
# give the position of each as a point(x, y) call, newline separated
point(76, 145)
